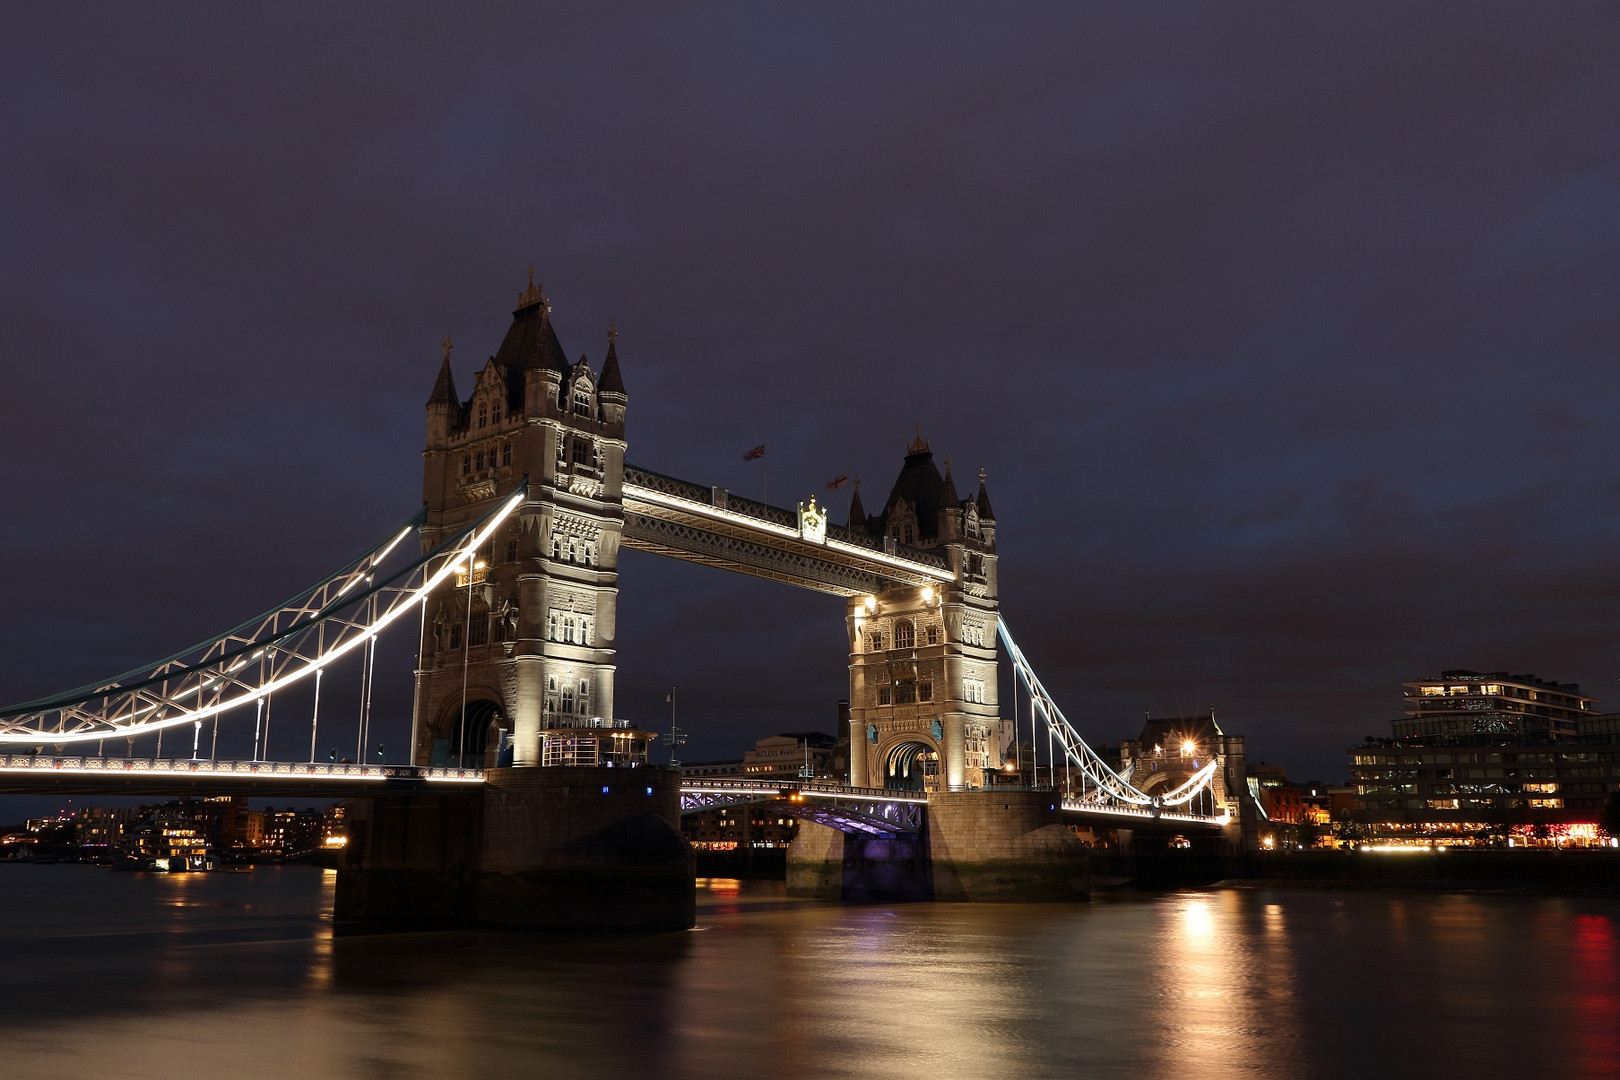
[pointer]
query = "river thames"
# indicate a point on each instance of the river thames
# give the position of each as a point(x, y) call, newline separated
point(239, 975)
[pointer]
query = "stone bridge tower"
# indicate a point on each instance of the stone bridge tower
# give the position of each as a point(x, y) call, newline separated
point(923, 709)
point(522, 654)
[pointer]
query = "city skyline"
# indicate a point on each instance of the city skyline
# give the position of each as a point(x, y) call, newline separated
point(1284, 352)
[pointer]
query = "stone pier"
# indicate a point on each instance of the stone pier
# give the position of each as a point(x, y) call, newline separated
point(978, 846)
point(565, 848)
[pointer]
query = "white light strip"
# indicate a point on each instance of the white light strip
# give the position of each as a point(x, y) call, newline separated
point(270, 687)
point(778, 792)
point(257, 770)
point(634, 491)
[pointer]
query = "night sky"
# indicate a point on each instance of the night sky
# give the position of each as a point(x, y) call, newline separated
point(1287, 335)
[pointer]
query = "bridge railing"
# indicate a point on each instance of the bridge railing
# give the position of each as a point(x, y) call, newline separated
point(824, 788)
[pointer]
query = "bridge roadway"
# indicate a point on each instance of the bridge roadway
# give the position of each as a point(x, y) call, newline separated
point(869, 810)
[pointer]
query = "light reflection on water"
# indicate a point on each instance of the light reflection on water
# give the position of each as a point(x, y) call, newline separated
point(238, 975)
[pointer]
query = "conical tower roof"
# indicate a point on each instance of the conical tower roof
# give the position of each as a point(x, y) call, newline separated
point(985, 513)
point(612, 381)
point(444, 388)
point(948, 497)
point(857, 512)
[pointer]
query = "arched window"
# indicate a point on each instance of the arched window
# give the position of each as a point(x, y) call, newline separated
point(582, 402)
point(905, 635)
point(568, 699)
point(551, 629)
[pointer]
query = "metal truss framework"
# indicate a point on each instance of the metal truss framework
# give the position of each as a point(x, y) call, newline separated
point(713, 527)
point(874, 811)
point(1104, 792)
point(342, 613)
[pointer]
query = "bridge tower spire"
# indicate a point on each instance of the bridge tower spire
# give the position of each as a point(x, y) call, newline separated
point(922, 661)
point(521, 652)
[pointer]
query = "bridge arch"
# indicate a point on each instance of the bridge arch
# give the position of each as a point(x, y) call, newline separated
point(911, 762)
point(1162, 781)
point(464, 737)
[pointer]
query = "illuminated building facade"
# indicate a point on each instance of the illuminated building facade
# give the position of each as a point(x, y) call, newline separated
point(518, 655)
point(1479, 753)
point(923, 707)
point(1461, 704)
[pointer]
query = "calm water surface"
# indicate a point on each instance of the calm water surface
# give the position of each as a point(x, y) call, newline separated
point(109, 975)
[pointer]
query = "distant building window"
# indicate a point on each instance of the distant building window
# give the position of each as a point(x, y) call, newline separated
point(875, 642)
point(478, 630)
point(925, 691)
point(933, 635)
point(582, 451)
point(582, 403)
point(506, 452)
point(905, 635)
point(466, 464)
point(884, 696)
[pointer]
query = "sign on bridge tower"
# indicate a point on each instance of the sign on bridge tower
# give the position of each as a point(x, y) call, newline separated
point(523, 646)
point(922, 659)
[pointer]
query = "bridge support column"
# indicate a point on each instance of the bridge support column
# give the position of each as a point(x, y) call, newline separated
point(562, 848)
point(993, 845)
point(859, 868)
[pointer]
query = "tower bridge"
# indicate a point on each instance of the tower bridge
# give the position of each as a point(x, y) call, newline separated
point(519, 767)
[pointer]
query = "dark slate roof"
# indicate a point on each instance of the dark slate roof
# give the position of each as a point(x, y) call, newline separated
point(530, 342)
point(1168, 731)
point(920, 484)
point(612, 381)
point(444, 390)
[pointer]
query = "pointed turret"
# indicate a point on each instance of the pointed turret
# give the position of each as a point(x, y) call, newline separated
point(950, 507)
point(857, 512)
point(949, 498)
point(444, 389)
point(443, 406)
point(612, 381)
point(985, 513)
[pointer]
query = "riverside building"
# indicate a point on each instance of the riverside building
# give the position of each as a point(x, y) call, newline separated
point(1489, 758)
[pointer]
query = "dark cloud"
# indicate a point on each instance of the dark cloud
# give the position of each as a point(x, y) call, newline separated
point(1287, 336)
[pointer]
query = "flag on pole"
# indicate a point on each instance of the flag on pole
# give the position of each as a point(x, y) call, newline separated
point(838, 481)
point(756, 452)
